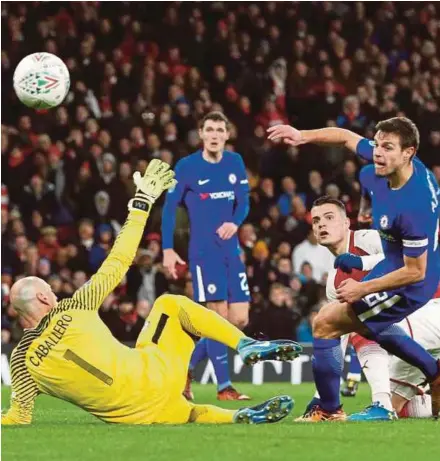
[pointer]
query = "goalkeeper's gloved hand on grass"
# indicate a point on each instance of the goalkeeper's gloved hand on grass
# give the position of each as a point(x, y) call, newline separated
point(157, 178)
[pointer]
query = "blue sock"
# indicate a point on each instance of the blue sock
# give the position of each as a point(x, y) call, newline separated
point(395, 340)
point(355, 366)
point(200, 353)
point(218, 354)
point(327, 369)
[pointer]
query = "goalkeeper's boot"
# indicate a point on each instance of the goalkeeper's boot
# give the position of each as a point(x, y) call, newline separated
point(374, 412)
point(231, 393)
point(318, 414)
point(188, 393)
point(434, 389)
point(271, 411)
point(253, 351)
point(350, 388)
point(312, 406)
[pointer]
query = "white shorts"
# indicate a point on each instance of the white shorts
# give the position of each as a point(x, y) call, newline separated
point(406, 379)
point(424, 327)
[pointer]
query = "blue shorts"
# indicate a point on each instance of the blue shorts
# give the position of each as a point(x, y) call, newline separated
point(378, 311)
point(219, 278)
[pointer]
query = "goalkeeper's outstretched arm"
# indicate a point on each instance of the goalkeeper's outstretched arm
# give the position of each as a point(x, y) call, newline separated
point(158, 177)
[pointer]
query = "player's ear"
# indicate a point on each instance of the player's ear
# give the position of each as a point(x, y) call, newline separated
point(42, 298)
point(409, 153)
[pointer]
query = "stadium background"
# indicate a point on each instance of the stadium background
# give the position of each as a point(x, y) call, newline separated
point(143, 74)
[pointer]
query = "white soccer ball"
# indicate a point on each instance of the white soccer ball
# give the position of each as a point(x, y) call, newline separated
point(41, 80)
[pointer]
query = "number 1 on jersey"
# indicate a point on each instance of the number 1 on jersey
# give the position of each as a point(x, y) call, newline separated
point(86, 366)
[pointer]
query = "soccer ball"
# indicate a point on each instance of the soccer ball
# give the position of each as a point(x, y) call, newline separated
point(41, 81)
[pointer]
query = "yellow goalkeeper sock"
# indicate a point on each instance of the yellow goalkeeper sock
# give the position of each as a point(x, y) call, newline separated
point(205, 414)
point(200, 321)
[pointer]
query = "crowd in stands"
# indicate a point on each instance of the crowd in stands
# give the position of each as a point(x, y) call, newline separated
point(142, 76)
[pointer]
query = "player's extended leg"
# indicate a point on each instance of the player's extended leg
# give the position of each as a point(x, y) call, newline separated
point(395, 340)
point(271, 411)
point(418, 407)
point(316, 401)
point(173, 322)
point(237, 314)
point(374, 361)
point(333, 321)
point(218, 354)
point(378, 312)
point(408, 398)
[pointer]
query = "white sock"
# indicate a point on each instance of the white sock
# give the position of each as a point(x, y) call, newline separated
point(419, 407)
point(374, 361)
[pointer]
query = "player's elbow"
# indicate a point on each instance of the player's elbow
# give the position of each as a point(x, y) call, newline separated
point(417, 274)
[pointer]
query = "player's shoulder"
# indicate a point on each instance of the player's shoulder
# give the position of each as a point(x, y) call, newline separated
point(189, 161)
point(424, 175)
point(367, 240)
point(233, 156)
point(330, 289)
point(367, 175)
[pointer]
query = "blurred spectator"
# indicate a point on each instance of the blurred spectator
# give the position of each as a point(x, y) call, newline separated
point(140, 85)
point(146, 281)
point(123, 319)
point(317, 258)
point(277, 319)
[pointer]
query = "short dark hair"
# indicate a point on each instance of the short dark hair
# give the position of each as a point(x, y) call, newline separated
point(215, 116)
point(327, 199)
point(404, 128)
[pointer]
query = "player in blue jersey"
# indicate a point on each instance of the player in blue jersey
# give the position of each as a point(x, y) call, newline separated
point(405, 210)
point(213, 185)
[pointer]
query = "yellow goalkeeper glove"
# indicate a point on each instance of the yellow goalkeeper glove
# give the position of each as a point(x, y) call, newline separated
point(157, 178)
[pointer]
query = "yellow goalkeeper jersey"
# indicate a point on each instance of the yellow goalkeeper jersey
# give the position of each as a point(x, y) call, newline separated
point(72, 355)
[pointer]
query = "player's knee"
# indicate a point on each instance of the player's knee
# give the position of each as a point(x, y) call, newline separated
point(323, 327)
point(398, 402)
point(168, 303)
point(220, 307)
point(239, 321)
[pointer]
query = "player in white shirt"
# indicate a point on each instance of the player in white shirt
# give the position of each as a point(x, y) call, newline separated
point(394, 383)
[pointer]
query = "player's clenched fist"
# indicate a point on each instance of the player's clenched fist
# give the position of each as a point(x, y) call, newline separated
point(287, 134)
point(157, 178)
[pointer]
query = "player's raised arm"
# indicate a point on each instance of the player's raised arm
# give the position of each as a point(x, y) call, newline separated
point(157, 178)
point(173, 198)
point(24, 389)
point(335, 136)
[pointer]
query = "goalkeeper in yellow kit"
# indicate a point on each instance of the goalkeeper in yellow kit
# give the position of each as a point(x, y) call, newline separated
point(69, 353)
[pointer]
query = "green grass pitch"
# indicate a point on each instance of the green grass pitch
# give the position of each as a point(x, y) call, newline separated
point(63, 432)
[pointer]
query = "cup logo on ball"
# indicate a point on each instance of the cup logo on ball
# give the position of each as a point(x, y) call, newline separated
point(41, 81)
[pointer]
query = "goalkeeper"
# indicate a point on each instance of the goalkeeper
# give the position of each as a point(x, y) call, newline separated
point(70, 354)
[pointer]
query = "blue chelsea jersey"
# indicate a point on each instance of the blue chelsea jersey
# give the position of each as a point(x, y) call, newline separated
point(407, 218)
point(213, 193)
